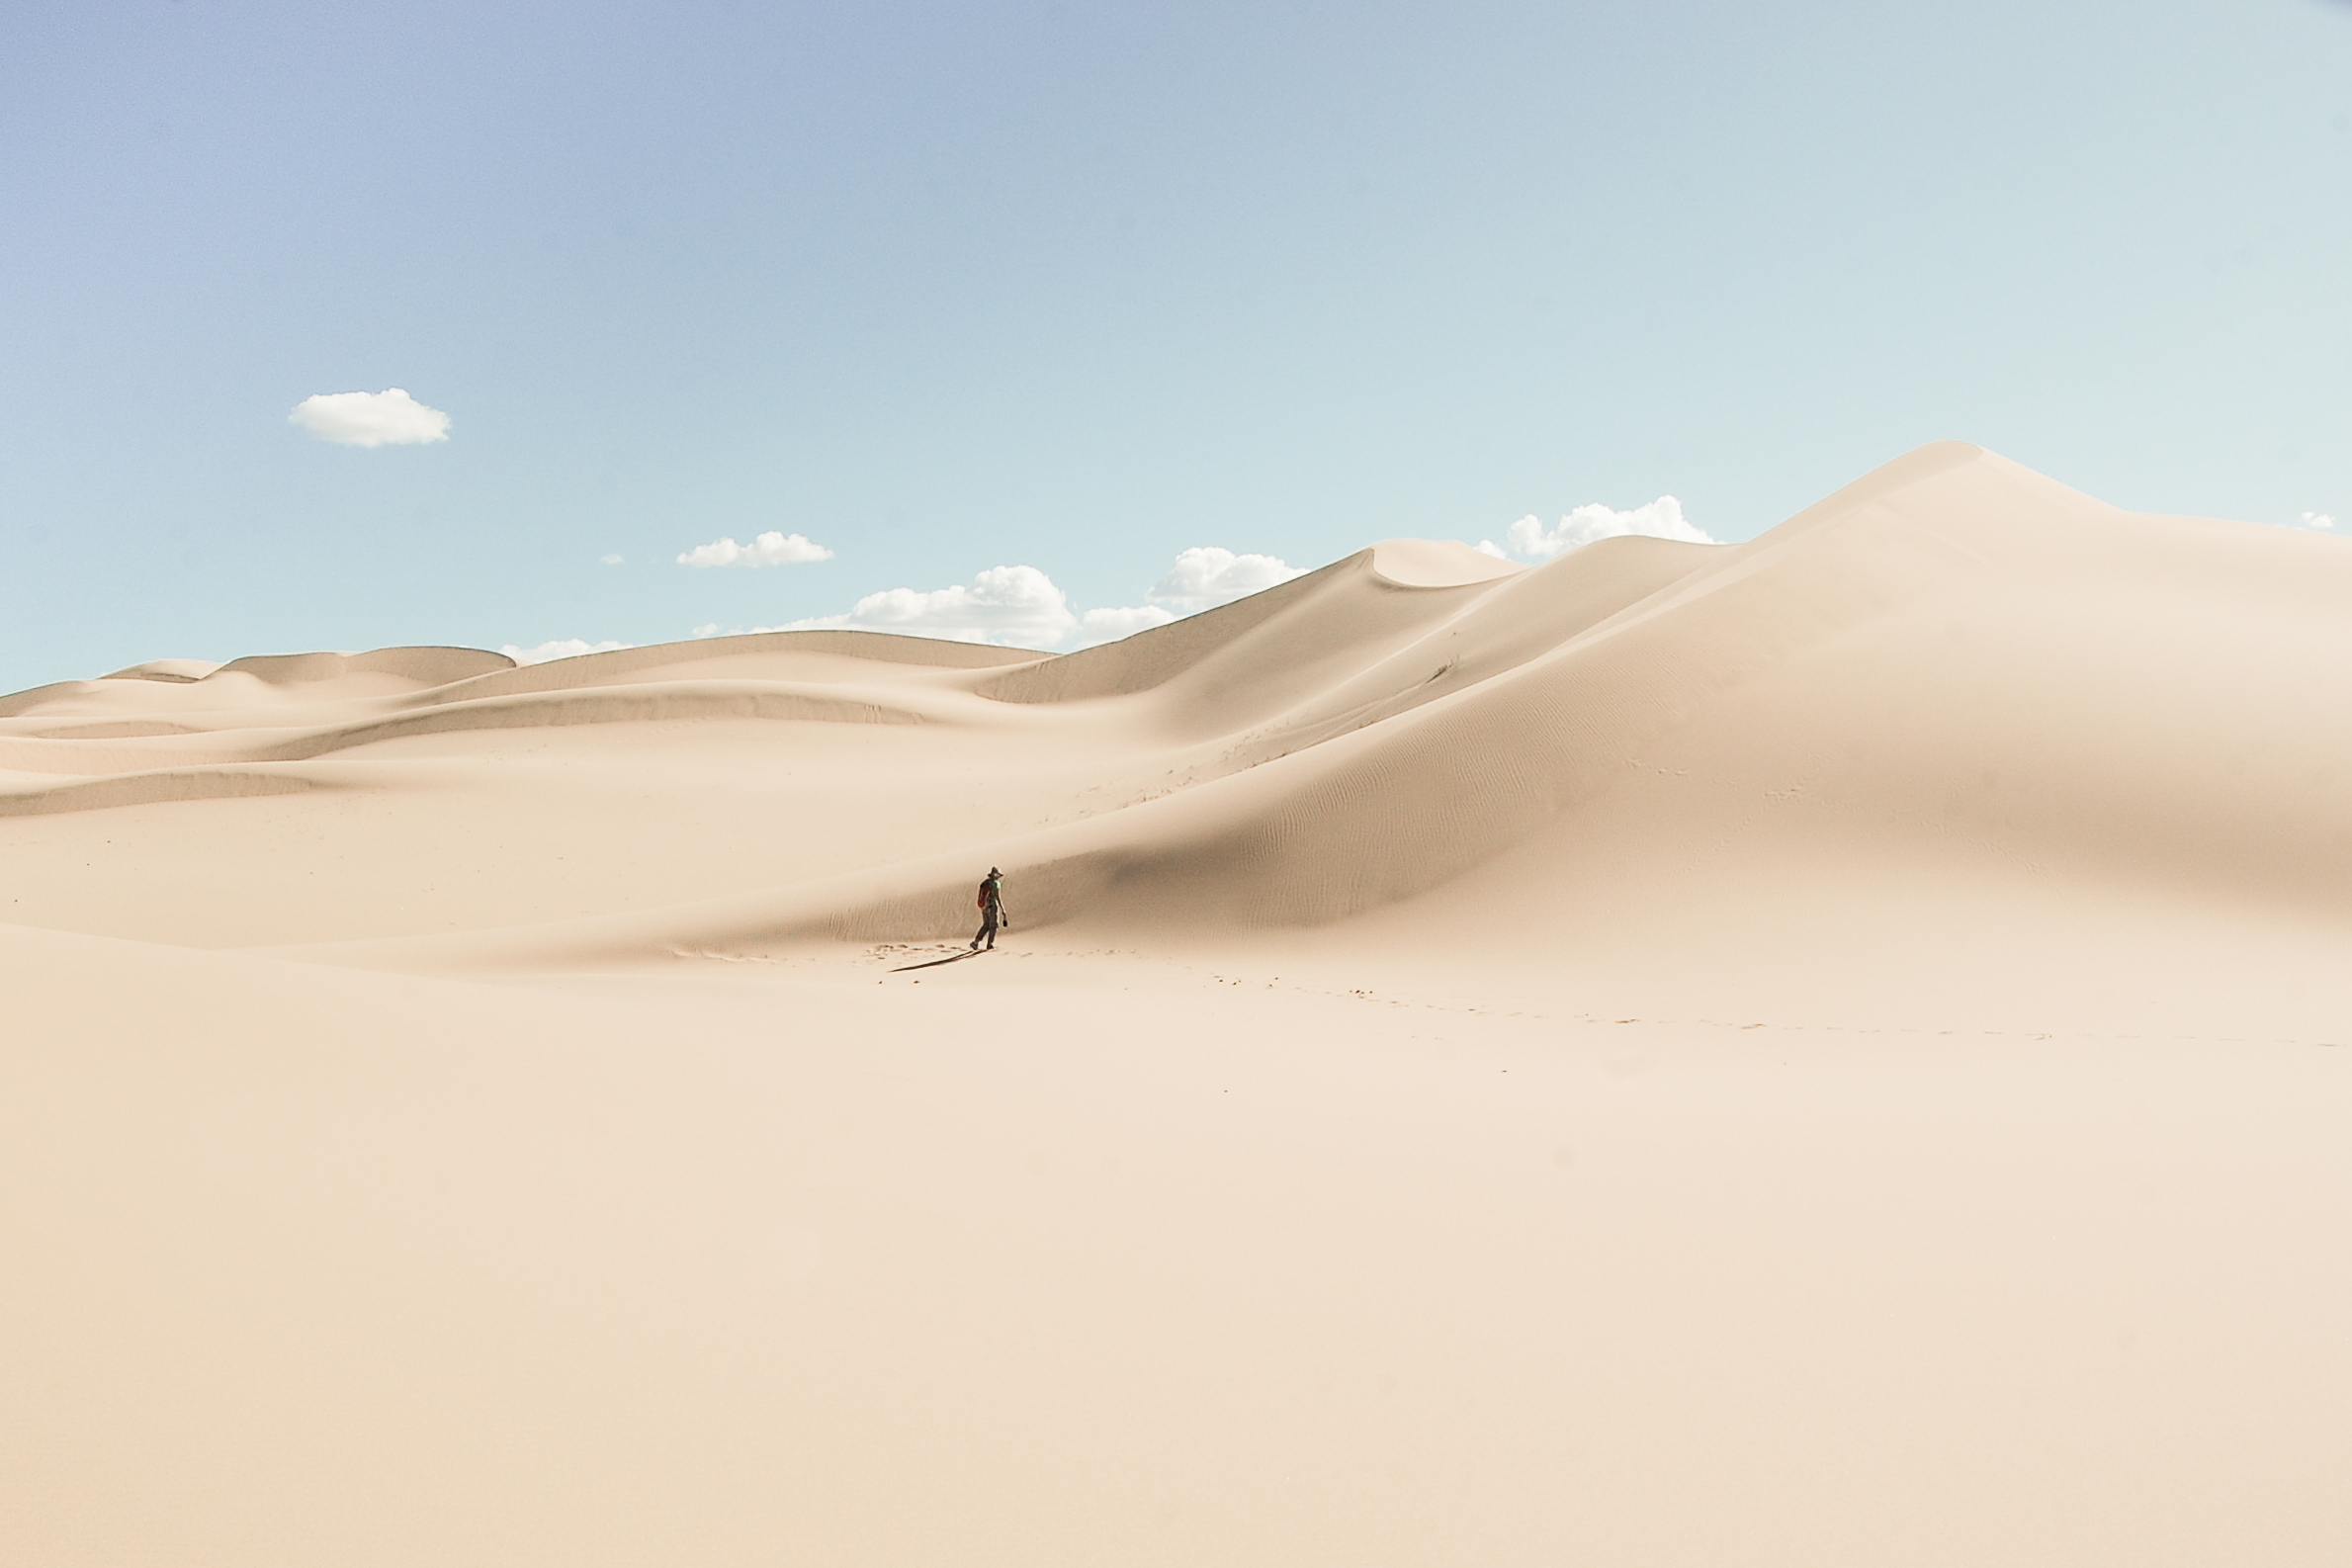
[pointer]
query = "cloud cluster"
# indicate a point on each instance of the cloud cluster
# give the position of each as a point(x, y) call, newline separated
point(1208, 575)
point(388, 418)
point(561, 647)
point(1022, 607)
point(1203, 578)
point(2317, 520)
point(1109, 625)
point(1659, 519)
point(1011, 606)
point(771, 549)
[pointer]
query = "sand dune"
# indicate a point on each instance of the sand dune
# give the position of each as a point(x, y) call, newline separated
point(1953, 667)
point(1964, 793)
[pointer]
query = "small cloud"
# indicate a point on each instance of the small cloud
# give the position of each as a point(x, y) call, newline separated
point(771, 549)
point(561, 647)
point(1206, 576)
point(710, 630)
point(1660, 519)
point(1011, 606)
point(1487, 546)
point(2317, 520)
point(388, 418)
point(611, 561)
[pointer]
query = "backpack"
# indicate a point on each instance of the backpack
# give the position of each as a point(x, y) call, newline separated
point(984, 893)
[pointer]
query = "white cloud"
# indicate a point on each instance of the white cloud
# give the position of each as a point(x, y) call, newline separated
point(370, 419)
point(771, 549)
point(1660, 519)
point(611, 561)
point(1022, 607)
point(2317, 520)
point(561, 647)
point(1206, 576)
point(1108, 626)
point(1014, 606)
point(1487, 546)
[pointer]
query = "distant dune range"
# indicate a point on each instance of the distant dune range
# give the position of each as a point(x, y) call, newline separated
point(1822, 1051)
point(1952, 663)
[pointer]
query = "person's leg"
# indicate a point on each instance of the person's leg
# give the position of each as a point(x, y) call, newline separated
point(985, 925)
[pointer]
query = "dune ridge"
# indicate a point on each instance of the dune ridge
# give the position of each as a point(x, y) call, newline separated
point(1356, 739)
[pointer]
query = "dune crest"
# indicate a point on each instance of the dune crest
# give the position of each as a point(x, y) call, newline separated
point(425, 666)
point(1438, 563)
point(177, 671)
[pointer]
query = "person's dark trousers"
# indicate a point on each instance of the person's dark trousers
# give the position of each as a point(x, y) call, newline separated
point(988, 928)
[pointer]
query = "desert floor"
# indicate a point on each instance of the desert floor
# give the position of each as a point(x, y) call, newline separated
point(1834, 1050)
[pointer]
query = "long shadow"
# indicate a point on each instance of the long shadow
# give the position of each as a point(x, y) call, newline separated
point(934, 963)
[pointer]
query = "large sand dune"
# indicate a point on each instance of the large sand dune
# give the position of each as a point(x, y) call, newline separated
point(1812, 1051)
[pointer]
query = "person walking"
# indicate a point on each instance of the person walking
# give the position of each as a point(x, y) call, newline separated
point(992, 909)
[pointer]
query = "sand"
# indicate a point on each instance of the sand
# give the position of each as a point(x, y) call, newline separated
point(1820, 1051)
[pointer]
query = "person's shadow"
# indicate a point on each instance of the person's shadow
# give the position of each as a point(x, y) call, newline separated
point(934, 963)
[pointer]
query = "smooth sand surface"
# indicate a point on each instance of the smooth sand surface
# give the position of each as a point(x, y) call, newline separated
point(1821, 1051)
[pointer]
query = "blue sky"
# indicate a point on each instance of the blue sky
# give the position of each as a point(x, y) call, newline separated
point(950, 287)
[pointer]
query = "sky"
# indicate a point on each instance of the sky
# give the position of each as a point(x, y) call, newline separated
point(992, 316)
